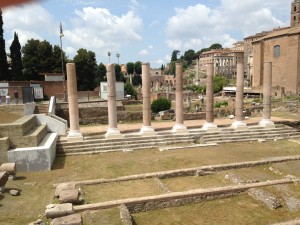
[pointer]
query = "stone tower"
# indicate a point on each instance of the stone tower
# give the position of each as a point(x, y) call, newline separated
point(295, 13)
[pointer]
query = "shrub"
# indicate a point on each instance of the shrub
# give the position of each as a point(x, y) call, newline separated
point(219, 104)
point(160, 104)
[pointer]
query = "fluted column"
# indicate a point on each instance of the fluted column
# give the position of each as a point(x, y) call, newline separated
point(267, 93)
point(74, 133)
point(239, 122)
point(179, 126)
point(112, 131)
point(209, 124)
point(147, 129)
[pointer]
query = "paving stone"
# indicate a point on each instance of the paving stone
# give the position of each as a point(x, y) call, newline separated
point(69, 196)
point(14, 192)
point(74, 219)
point(63, 187)
point(59, 210)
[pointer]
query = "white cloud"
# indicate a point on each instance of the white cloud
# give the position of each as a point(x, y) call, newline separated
point(144, 52)
point(29, 21)
point(199, 26)
point(98, 29)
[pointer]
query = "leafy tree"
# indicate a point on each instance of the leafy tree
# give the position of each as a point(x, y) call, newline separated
point(160, 104)
point(219, 83)
point(16, 59)
point(138, 67)
point(137, 80)
point(56, 60)
point(101, 73)
point(119, 74)
point(129, 89)
point(189, 56)
point(130, 68)
point(215, 46)
point(172, 68)
point(3, 57)
point(86, 69)
point(162, 68)
point(31, 61)
point(174, 55)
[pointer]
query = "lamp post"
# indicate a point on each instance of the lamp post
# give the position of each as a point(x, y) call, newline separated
point(109, 54)
point(118, 56)
point(62, 62)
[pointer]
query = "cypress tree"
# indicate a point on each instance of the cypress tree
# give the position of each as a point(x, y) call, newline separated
point(16, 59)
point(3, 57)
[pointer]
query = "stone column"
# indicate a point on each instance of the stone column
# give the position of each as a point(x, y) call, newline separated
point(267, 92)
point(179, 126)
point(239, 97)
point(209, 124)
point(147, 129)
point(74, 133)
point(112, 132)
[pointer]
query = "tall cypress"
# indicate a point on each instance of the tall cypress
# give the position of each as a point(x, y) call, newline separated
point(3, 57)
point(16, 59)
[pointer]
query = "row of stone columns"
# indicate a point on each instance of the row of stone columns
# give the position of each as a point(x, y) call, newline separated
point(179, 127)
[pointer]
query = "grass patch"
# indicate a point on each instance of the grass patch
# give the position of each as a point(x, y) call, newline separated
point(237, 210)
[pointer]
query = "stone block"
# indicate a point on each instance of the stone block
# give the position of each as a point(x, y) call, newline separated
point(63, 187)
point(4, 144)
point(74, 219)
point(59, 210)
point(69, 196)
point(3, 178)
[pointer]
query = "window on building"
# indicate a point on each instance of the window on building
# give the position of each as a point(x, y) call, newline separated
point(276, 50)
point(295, 8)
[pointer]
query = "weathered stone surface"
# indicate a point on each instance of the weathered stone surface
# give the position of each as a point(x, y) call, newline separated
point(59, 210)
point(125, 215)
point(74, 219)
point(10, 168)
point(69, 196)
point(14, 192)
point(63, 187)
point(3, 178)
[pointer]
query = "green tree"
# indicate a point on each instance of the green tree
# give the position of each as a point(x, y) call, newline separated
point(138, 67)
point(219, 83)
point(56, 60)
point(174, 55)
point(3, 57)
point(101, 73)
point(189, 56)
point(160, 104)
point(86, 69)
point(129, 89)
point(31, 60)
point(119, 74)
point(137, 80)
point(16, 59)
point(130, 68)
point(215, 46)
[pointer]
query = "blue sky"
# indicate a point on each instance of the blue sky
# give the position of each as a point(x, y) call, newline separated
point(144, 30)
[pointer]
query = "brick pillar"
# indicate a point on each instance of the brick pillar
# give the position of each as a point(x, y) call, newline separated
point(239, 122)
point(209, 124)
point(179, 126)
point(74, 133)
point(267, 92)
point(147, 129)
point(112, 132)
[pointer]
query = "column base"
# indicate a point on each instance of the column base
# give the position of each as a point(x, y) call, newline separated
point(75, 135)
point(267, 123)
point(239, 125)
point(147, 131)
point(180, 129)
point(113, 133)
point(210, 127)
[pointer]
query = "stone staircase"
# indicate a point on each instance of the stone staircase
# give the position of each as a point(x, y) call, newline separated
point(96, 143)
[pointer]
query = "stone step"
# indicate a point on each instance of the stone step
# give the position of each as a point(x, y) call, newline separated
point(122, 147)
point(18, 128)
point(134, 141)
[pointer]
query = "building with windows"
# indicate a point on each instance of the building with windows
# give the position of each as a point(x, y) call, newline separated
point(281, 46)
